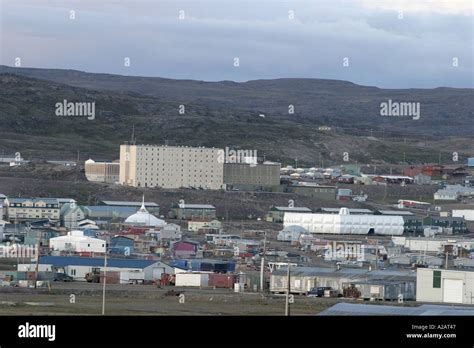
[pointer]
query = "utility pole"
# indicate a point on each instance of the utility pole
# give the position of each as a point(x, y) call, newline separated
point(37, 258)
point(105, 280)
point(288, 289)
point(262, 264)
point(446, 264)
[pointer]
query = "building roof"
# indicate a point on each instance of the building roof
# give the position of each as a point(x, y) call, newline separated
point(61, 261)
point(292, 209)
point(129, 204)
point(368, 309)
point(197, 206)
point(34, 200)
point(351, 211)
point(108, 208)
point(353, 273)
point(396, 212)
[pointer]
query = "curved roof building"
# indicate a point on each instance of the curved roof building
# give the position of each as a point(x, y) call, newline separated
point(143, 218)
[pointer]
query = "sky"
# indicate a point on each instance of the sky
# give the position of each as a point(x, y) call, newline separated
point(383, 43)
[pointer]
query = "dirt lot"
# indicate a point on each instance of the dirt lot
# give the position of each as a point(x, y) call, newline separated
point(149, 300)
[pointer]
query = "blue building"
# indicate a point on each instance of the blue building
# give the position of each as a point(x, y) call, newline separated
point(470, 162)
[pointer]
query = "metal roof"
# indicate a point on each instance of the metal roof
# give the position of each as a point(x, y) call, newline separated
point(198, 206)
point(351, 210)
point(108, 208)
point(396, 212)
point(300, 209)
point(370, 309)
point(351, 273)
point(132, 204)
point(61, 261)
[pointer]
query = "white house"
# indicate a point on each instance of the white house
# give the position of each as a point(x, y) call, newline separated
point(75, 241)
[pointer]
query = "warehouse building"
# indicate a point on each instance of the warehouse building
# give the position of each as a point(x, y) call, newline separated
point(77, 267)
point(152, 207)
point(192, 211)
point(352, 211)
point(444, 286)
point(412, 223)
point(107, 172)
point(303, 279)
point(345, 223)
point(277, 213)
point(106, 213)
point(314, 191)
point(171, 167)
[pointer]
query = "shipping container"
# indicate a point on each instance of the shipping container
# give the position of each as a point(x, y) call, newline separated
point(192, 279)
point(222, 280)
point(112, 277)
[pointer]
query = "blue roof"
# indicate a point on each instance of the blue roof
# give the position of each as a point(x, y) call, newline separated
point(61, 261)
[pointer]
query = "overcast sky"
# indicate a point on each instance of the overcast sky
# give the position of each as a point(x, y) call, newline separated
point(388, 43)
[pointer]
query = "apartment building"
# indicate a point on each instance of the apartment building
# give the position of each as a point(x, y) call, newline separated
point(26, 209)
point(171, 167)
point(107, 172)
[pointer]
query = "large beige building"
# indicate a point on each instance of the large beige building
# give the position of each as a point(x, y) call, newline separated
point(102, 171)
point(171, 167)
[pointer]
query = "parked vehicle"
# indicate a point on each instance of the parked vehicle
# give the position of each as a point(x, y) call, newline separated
point(318, 292)
point(62, 277)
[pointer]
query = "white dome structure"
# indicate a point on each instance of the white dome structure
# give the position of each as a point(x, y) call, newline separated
point(144, 218)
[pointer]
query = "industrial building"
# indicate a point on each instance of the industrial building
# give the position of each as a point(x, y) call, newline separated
point(251, 176)
point(444, 286)
point(171, 167)
point(77, 267)
point(28, 209)
point(107, 172)
point(277, 213)
point(314, 190)
point(152, 207)
point(345, 223)
point(192, 211)
point(106, 213)
point(303, 279)
point(412, 223)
